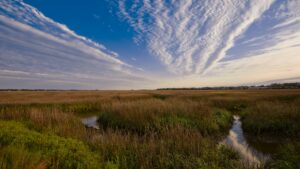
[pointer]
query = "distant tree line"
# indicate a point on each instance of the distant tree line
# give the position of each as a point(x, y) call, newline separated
point(295, 85)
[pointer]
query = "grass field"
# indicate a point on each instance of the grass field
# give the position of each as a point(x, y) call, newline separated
point(144, 129)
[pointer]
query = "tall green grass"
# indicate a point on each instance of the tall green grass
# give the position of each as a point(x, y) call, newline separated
point(16, 157)
point(286, 158)
point(154, 115)
point(142, 129)
point(56, 152)
point(273, 118)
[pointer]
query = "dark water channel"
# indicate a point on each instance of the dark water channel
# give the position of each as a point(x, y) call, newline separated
point(252, 150)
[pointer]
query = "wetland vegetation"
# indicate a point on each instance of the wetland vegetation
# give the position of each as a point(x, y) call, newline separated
point(147, 129)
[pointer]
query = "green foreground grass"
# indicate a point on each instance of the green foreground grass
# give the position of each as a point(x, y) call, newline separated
point(45, 150)
point(145, 129)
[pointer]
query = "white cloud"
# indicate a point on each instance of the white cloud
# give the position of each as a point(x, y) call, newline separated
point(36, 47)
point(191, 36)
point(279, 65)
point(228, 42)
point(202, 42)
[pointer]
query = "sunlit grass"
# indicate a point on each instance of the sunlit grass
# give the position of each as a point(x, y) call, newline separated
point(141, 129)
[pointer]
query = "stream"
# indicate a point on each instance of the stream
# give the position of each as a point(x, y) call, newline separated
point(237, 140)
point(90, 122)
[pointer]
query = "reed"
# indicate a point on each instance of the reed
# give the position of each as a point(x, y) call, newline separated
point(141, 129)
point(273, 118)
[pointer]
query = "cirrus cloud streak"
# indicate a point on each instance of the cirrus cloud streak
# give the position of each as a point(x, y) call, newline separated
point(34, 46)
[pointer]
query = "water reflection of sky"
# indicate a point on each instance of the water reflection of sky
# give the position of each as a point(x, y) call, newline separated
point(91, 122)
point(238, 142)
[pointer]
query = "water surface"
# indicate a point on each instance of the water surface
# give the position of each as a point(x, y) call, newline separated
point(90, 122)
point(237, 140)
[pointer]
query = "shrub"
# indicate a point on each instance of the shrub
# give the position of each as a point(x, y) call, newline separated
point(56, 151)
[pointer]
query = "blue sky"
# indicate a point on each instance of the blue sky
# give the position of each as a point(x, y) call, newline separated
point(99, 21)
point(135, 44)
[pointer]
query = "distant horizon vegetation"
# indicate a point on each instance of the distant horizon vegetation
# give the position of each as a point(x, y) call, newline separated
point(294, 85)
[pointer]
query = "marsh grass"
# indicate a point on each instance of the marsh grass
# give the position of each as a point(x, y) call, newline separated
point(286, 158)
point(154, 115)
point(141, 129)
point(12, 157)
point(175, 147)
point(56, 151)
point(46, 120)
point(273, 118)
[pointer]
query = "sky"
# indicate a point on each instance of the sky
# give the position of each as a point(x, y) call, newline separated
point(147, 44)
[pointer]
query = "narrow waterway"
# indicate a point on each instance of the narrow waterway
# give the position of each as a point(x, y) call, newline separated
point(237, 140)
point(90, 122)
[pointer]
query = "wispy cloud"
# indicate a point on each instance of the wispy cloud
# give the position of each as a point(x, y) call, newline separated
point(35, 46)
point(228, 42)
point(191, 36)
point(203, 42)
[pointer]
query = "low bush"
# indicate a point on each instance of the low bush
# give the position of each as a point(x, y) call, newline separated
point(56, 152)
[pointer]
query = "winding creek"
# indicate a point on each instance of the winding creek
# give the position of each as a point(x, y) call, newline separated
point(235, 139)
point(90, 122)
